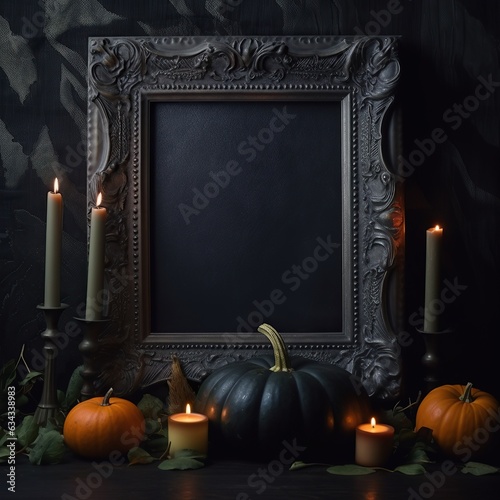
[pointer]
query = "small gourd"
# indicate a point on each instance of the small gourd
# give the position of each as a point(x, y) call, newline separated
point(99, 426)
point(461, 419)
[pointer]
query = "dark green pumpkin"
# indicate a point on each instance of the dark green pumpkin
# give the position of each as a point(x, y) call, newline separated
point(255, 406)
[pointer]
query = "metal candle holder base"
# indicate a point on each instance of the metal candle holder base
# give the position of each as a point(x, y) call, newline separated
point(89, 348)
point(432, 360)
point(49, 404)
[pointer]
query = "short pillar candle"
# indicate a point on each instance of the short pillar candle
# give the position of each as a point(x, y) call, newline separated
point(374, 444)
point(188, 431)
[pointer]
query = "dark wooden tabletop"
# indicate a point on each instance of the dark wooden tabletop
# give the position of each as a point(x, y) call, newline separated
point(238, 480)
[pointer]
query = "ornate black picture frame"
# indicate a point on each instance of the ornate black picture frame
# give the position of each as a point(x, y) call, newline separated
point(137, 87)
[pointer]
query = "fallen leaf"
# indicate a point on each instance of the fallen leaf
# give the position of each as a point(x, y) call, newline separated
point(137, 455)
point(48, 448)
point(302, 465)
point(410, 469)
point(479, 469)
point(181, 463)
point(350, 470)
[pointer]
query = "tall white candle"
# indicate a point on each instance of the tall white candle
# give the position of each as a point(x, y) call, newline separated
point(53, 243)
point(95, 277)
point(432, 279)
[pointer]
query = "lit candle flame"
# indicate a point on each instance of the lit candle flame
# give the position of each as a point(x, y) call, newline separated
point(56, 185)
point(437, 228)
point(373, 421)
point(99, 200)
point(188, 408)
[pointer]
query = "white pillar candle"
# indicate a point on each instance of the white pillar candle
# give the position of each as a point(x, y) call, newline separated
point(432, 279)
point(188, 431)
point(95, 277)
point(374, 444)
point(53, 244)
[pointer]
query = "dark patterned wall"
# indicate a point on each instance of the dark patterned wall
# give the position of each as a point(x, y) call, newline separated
point(450, 95)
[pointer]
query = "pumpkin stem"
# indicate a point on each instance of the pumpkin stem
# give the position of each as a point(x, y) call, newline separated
point(466, 397)
point(281, 358)
point(107, 396)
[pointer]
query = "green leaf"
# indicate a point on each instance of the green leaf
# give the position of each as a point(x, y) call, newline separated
point(397, 419)
point(3, 436)
point(350, 470)
point(410, 469)
point(151, 406)
point(21, 400)
point(61, 396)
point(51, 425)
point(48, 448)
point(302, 465)
point(418, 455)
point(27, 432)
point(74, 388)
point(407, 436)
point(152, 426)
point(181, 463)
point(4, 454)
point(30, 377)
point(4, 451)
point(155, 444)
point(186, 453)
point(479, 469)
point(137, 455)
point(7, 374)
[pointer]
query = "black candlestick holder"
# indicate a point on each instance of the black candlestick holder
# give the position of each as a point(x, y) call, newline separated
point(89, 348)
point(48, 407)
point(433, 359)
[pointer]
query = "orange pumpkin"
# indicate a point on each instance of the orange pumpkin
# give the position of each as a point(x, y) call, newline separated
point(100, 426)
point(464, 420)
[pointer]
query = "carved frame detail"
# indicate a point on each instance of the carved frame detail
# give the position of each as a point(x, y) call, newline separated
point(362, 72)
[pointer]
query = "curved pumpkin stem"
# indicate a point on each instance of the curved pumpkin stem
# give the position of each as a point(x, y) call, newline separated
point(466, 397)
point(281, 358)
point(107, 396)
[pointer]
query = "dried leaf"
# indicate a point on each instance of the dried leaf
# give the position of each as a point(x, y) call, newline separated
point(479, 469)
point(350, 470)
point(180, 392)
